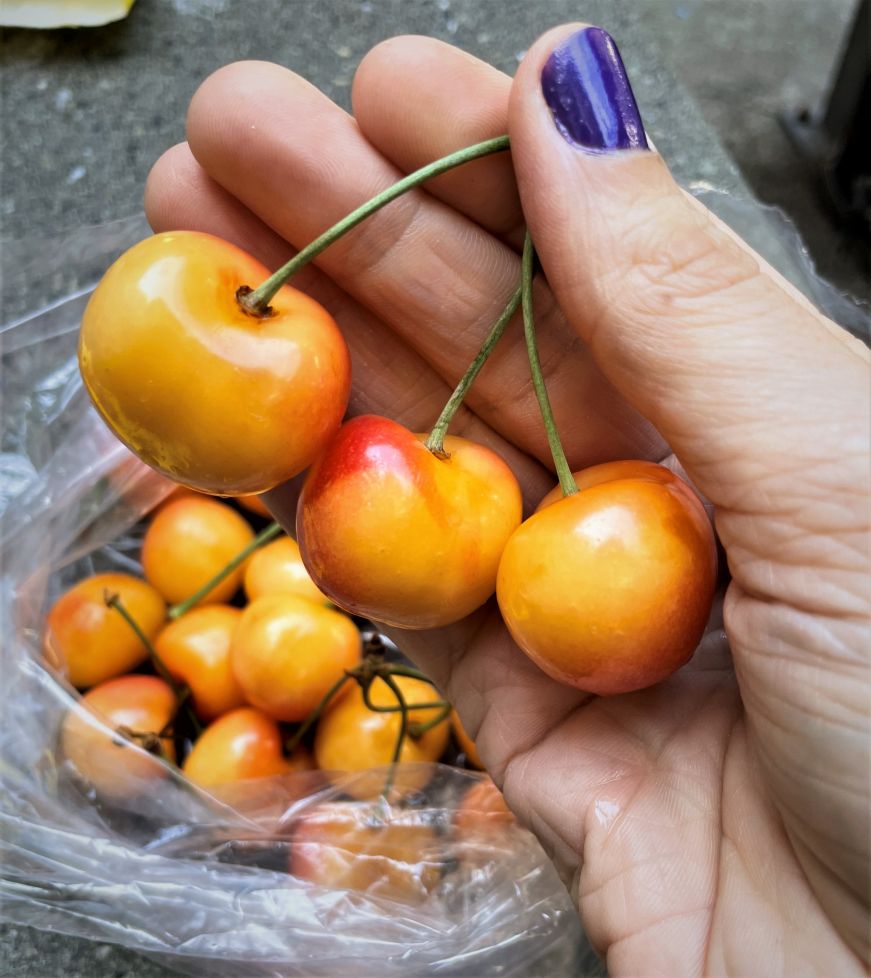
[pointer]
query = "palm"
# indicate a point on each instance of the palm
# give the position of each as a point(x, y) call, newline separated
point(653, 804)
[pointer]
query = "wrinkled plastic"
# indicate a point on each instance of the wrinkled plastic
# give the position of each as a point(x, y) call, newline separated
point(202, 880)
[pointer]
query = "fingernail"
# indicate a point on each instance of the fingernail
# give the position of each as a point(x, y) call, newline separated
point(588, 92)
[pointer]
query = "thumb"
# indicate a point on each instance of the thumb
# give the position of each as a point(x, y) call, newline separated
point(736, 369)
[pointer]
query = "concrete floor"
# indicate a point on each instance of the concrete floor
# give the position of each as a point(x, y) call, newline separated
point(85, 113)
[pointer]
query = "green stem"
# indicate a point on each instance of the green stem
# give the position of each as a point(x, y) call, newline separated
point(181, 693)
point(563, 470)
point(264, 536)
point(113, 601)
point(398, 709)
point(169, 726)
point(256, 302)
point(315, 714)
point(396, 669)
point(436, 441)
point(400, 739)
point(419, 729)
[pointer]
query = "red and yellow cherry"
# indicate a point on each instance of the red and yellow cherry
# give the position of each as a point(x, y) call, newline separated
point(241, 745)
point(351, 737)
point(203, 391)
point(188, 542)
point(389, 531)
point(106, 759)
point(467, 745)
point(386, 853)
point(89, 641)
point(196, 650)
point(609, 589)
point(277, 568)
point(288, 651)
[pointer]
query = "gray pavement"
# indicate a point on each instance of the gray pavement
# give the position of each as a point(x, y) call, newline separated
point(84, 114)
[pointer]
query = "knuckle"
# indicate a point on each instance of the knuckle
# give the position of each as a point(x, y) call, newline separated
point(687, 269)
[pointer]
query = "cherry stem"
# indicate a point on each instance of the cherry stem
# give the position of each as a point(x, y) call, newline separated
point(436, 441)
point(400, 738)
point(419, 729)
point(256, 302)
point(113, 601)
point(433, 704)
point(563, 470)
point(315, 714)
point(151, 742)
point(396, 669)
point(263, 537)
point(181, 693)
point(371, 668)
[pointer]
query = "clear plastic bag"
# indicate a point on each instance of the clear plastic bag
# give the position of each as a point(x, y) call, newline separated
point(198, 880)
point(202, 880)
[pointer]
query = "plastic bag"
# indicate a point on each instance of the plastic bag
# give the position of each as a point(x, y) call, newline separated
point(174, 872)
point(198, 880)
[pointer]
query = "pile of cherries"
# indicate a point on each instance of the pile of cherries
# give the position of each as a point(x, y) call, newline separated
point(225, 660)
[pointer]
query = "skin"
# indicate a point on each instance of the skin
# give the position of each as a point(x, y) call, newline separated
point(632, 548)
point(277, 568)
point(348, 845)
point(187, 542)
point(106, 760)
point(378, 481)
point(717, 823)
point(90, 642)
point(196, 650)
point(352, 738)
point(241, 745)
point(169, 303)
point(288, 651)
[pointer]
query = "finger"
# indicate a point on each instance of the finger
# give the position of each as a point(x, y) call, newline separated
point(180, 196)
point(388, 377)
point(506, 703)
point(417, 99)
point(690, 325)
point(764, 401)
point(435, 278)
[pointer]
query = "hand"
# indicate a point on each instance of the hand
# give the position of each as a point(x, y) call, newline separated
point(718, 822)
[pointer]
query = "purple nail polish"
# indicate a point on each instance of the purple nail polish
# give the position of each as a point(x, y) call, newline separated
point(587, 90)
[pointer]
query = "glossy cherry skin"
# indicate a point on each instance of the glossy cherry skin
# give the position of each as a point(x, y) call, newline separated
point(205, 393)
point(196, 650)
point(238, 746)
point(351, 737)
point(610, 589)
point(390, 532)
point(89, 641)
point(386, 853)
point(188, 541)
point(288, 651)
point(277, 568)
point(106, 760)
